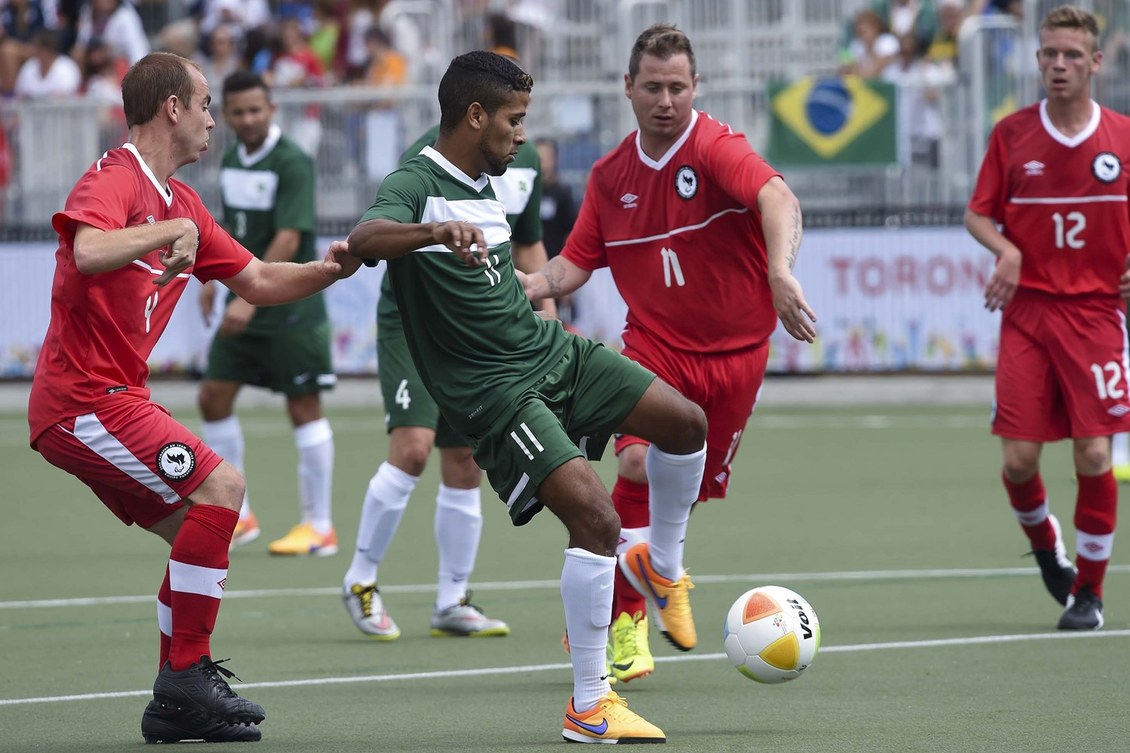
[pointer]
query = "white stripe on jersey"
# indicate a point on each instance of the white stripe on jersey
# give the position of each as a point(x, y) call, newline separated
point(249, 189)
point(1066, 199)
point(508, 188)
point(165, 619)
point(194, 579)
point(157, 272)
point(90, 431)
point(676, 231)
point(488, 215)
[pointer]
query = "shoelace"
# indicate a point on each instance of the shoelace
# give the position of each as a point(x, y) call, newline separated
point(365, 596)
point(466, 602)
point(212, 670)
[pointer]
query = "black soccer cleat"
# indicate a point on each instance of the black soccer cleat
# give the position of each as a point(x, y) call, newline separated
point(162, 723)
point(1084, 612)
point(201, 690)
point(1058, 573)
point(1055, 566)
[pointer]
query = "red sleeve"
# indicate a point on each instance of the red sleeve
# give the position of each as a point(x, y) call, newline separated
point(989, 193)
point(220, 256)
point(736, 168)
point(102, 198)
point(585, 244)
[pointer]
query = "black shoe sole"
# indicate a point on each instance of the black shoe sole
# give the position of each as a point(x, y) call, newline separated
point(166, 724)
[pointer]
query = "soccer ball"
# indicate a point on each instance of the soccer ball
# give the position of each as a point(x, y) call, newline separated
point(771, 634)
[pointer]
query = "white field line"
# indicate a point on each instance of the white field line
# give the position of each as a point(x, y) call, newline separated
point(528, 668)
point(530, 585)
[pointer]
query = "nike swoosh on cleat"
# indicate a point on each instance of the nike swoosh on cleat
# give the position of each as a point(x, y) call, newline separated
point(596, 729)
point(624, 667)
point(660, 601)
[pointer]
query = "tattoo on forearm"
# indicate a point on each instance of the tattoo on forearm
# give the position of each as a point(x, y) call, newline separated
point(554, 275)
point(794, 238)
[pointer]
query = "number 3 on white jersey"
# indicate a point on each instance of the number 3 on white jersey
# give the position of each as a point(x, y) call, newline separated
point(671, 267)
point(1067, 229)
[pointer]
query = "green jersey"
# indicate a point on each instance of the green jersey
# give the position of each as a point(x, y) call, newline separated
point(264, 192)
point(472, 333)
point(519, 190)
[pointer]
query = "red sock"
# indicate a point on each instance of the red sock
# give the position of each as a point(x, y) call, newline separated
point(198, 572)
point(165, 618)
point(1096, 511)
point(1026, 497)
point(630, 500)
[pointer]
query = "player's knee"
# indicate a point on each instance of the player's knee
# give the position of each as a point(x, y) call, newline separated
point(688, 429)
point(596, 526)
point(632, 463)
point(224, 487)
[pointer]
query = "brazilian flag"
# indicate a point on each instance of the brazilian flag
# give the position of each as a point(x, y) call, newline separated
point(832, 121)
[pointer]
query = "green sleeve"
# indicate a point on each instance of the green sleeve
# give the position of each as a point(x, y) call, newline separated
point(294, 202)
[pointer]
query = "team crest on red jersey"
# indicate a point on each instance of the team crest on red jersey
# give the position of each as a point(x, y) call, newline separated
point(686, 182)
point(176, 461)
point(1106, 167)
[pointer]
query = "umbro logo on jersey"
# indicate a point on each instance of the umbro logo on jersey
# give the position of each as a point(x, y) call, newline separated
point(1118, 410)
point(629, 200)
point(1034, 167)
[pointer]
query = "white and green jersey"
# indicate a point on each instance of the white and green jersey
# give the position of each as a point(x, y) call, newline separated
point(263, 192)
point(473, 336)
point(519, 190)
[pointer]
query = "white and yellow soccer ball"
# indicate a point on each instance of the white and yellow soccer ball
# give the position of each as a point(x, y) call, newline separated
point(771, 634)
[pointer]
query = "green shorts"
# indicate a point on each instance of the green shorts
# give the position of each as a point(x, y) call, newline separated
point(293, 361)
point(407, 402)
point(572, 412)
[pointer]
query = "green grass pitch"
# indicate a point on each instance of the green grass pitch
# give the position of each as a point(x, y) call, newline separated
point(937, 633)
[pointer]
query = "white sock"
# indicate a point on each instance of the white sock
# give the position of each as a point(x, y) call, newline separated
point(1120, 449)
point(385, 500)
point(586, 591)
point(458, 528)
point(673, 483)
point(315, 443)
point(225, 438)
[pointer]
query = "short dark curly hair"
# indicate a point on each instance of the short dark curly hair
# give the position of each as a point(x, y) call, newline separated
point(480, 76)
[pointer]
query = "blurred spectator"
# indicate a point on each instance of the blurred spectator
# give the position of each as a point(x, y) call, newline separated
point(325, 37)
point(180, 38)
point(241, 15)
point(221, 56)
point(558, 206)
point(871, 47)
point(943, 47)
point(361, 16)
point(385, 66)
point(558, 213)
point(295, 64)
point(383, 128)
point(117, 23)
point(916, 17)
point(102, 74)
point(19, 21)
point(47, 73)
point(502, 35)
point(919, 84)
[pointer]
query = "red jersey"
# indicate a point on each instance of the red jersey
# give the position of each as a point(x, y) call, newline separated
point(1062, 201)
point(682, 237)
point(104, 326)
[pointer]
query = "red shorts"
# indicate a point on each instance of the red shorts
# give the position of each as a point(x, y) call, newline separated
point(725, 386)
point(1062, 368)
point(134, 456)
